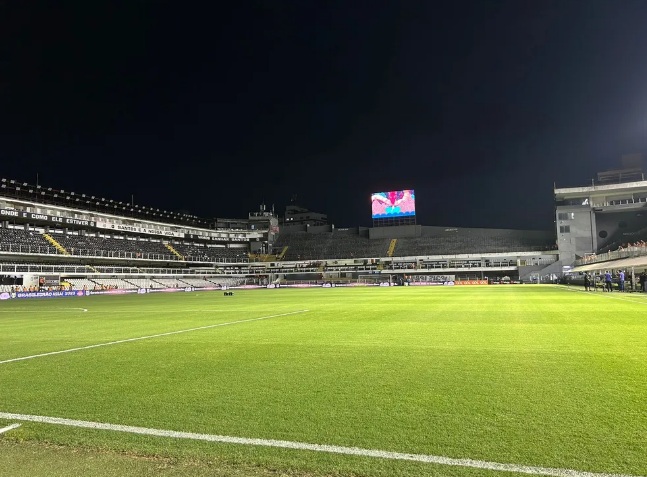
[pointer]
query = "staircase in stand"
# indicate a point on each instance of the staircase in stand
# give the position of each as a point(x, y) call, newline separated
point(56, 245)
point(261, 257)
point(282, 254)
point(389, 252)
point(175, 252)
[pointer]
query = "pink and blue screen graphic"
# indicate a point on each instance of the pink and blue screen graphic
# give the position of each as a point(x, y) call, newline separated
point(396, 203)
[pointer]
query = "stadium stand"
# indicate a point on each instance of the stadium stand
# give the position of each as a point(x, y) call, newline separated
point(122, 247)
point(451, 241)
point(19, 240)
point(209, 253)
point(98, 243)
point(434, 241)
point(330, 245)
point(170, 282)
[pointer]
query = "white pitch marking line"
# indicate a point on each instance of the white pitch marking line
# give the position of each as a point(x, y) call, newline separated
point(380, 454)
point(8, 428)
point(149, 337)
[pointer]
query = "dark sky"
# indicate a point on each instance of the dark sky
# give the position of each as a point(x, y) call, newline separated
point(213, 108)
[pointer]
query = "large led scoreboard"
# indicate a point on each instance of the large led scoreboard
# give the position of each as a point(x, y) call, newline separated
point(396, 207)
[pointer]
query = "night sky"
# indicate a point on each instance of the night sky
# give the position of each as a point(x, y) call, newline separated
point(212, 109)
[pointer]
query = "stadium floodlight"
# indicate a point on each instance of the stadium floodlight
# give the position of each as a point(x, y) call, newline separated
point(4, 186)
point(4, 180)
point(12, 181)
point(25, 184)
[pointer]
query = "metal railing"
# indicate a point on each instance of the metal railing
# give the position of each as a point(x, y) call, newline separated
point(628, 252)
point(30, 249)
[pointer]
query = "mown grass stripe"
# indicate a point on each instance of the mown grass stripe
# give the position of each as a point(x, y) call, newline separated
point(380, 454)
point(139, 338)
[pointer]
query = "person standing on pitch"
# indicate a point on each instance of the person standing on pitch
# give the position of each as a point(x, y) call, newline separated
point(587, 281)
point(607, 281)
point(621, 281)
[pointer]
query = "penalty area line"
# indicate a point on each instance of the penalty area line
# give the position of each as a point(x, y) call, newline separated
point(139, 338)
point(356, 451)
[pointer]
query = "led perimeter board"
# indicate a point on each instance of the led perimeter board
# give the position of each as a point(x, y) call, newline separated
point(396, 203)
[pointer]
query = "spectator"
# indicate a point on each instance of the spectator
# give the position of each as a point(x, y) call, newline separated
point(607, 281)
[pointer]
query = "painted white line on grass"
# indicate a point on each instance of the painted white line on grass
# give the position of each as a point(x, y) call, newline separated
point(128, 340)
point(357, 451)
point(8, 428)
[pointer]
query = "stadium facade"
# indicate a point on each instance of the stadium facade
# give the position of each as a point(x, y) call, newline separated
point(603, 225)
point(55, 238)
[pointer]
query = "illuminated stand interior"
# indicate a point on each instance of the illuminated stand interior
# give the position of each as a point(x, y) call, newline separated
point(393, 208)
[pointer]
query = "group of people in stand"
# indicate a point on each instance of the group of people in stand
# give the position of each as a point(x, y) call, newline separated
point(607, 278)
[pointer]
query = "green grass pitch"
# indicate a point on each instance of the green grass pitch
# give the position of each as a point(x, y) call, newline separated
point(538, 376)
